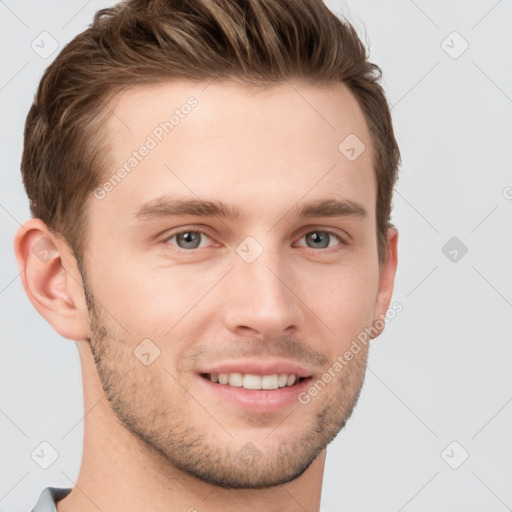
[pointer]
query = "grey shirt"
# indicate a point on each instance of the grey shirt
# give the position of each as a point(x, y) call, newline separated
point(48, 498)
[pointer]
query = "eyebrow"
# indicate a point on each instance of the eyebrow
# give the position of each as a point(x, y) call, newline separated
point(169, 207)
point(331, 208)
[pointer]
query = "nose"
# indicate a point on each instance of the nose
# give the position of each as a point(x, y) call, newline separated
point(260, 300)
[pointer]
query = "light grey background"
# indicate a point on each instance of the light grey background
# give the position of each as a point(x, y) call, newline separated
point(440, 373)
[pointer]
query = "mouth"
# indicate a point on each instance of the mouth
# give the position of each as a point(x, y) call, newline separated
point(255, 382)
point(255, 387)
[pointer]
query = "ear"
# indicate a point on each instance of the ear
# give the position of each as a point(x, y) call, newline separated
point(51, 279)
point(386, 282)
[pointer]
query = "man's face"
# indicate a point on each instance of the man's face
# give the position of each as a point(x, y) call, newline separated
point(267, 293)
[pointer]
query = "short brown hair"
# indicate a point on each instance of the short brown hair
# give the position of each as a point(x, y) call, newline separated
point(140, 42)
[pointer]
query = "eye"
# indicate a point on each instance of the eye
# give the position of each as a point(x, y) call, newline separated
point(321, 239)
point(191, 239)
point(188, 239)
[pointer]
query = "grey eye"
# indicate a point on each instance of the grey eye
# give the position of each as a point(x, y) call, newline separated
point(319, 239)
point(188, 239)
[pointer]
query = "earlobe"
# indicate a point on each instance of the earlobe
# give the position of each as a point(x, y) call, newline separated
point(386, 281)
point(49, 285)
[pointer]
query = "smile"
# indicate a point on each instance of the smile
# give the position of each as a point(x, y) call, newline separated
point(253, 381)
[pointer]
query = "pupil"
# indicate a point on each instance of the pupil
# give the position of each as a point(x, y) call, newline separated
point(189, 238)
point(318, 238)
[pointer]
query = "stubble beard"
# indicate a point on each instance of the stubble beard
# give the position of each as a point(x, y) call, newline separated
point(226, 461)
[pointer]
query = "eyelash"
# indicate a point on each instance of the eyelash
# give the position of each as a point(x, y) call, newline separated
point(342, 242)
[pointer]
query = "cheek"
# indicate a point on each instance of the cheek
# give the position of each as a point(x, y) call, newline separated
point(149, 302)
point(343, 299)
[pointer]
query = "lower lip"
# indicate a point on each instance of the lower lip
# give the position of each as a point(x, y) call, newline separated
point(258, 400)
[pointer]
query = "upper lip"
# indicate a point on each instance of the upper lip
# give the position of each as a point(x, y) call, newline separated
point(267, 367)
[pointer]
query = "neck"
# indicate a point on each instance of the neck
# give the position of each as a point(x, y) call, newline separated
point(121, 473)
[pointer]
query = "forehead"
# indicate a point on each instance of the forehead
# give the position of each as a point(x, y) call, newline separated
point(215, 140)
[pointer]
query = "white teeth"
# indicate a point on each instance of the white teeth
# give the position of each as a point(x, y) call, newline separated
point(269, 382)
point(282, 380)
point(235, 379)
point(251, 381)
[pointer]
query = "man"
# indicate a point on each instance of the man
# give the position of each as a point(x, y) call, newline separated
point(210, 183)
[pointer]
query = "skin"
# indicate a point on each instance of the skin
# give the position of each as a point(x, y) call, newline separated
point(155, 437)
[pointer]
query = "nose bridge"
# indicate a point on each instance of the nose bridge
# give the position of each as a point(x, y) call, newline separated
point(265, 280)
point(259, 296)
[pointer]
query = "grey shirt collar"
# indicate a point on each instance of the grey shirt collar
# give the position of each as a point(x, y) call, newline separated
point(48, 498)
